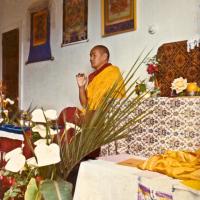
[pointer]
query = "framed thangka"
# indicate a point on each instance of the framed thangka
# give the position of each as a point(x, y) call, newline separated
point(75, 17)
point(118, 16)
point(40, 37)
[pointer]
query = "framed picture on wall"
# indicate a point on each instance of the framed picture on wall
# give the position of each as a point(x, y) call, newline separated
point(75, 18)
point(118, 16)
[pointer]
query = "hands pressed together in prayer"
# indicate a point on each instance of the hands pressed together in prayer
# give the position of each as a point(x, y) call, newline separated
point(81, 79)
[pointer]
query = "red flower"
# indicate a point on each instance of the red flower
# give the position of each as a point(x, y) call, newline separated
point(152, 68)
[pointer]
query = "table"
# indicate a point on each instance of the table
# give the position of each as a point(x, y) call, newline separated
point(103, 180)
point(174, 124)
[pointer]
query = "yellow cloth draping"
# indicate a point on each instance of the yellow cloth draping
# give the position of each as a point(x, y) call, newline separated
point(102, 83)
point(177, 164)
point(131, 162)
point(192, 183)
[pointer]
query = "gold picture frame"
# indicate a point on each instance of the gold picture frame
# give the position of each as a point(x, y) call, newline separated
point(118, 16)
point(75, 21)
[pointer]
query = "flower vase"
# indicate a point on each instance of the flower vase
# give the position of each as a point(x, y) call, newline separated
point(156, 84)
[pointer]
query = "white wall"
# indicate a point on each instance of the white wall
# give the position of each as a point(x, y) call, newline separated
point(52, 84)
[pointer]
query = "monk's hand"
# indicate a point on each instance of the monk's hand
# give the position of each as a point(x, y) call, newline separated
point(81, 79)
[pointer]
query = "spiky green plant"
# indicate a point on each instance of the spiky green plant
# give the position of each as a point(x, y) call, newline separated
point(102, 126)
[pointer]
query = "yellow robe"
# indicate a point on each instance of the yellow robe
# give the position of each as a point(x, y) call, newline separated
point(102, 83)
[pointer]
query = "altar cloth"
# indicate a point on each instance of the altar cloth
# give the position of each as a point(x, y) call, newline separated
point(103, 180)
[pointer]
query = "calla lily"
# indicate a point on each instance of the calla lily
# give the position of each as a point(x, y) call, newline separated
point(38, 115)
point(13, 153)
point(42, 130)
point(41, 141)
point(47, 154)
point(51, 114)
point(32, 162)
point(15, 163)
point(69, 125)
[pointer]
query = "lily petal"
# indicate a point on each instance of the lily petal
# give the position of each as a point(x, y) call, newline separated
point(41, 129)
point(13, 153)
point(16, 163)
point(47, 154)
point(51, 114)
point(38, 116)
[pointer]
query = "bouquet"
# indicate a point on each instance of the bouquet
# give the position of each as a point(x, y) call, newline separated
point(153, 70)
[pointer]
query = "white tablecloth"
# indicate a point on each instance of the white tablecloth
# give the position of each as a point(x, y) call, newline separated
point(103, 180)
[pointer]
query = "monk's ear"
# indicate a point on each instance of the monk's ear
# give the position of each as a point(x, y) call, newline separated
point(105, 56)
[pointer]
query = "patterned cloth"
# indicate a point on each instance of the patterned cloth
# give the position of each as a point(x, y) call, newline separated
point(145, 193)
point(174, 124)
point(176, 62)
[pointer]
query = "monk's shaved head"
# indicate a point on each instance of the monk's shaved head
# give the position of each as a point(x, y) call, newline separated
point(102, 49)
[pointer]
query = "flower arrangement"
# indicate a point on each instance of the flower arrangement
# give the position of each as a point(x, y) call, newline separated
point(46, 173)
point(153, 70)
point(6, 105)
point(180, 87)
point(23, 176)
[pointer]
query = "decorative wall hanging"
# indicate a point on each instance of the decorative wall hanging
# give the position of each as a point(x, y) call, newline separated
point(75, 14)
point(118, 16)
point(40, 37)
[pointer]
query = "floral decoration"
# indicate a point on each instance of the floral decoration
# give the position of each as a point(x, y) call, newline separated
point(179, 85)
point(152, 68)
point(149, 87)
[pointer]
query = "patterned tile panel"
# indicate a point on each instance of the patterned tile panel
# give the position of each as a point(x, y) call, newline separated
point(174, 124)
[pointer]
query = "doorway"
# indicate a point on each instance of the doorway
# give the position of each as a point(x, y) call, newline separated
point(10, 67)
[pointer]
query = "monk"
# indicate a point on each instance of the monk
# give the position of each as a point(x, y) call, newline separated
point(93, 88)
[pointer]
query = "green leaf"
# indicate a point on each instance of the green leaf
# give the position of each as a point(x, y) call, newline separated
point(56, 190)
point(143, 87)
point(32, 190)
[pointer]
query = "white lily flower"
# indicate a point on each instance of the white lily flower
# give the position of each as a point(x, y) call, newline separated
point(41, 141)
point(1, 120)
point(16, 163)
point(51, 114)
point(69, 125)
point(38, 115)
point(41, 129)
point(7, 100)
point(32, 162)
point(47, 154)
point(13, 153)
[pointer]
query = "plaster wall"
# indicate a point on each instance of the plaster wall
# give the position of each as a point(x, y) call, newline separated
point(52, 84)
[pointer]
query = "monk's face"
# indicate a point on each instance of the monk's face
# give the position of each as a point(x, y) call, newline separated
point(97, 58)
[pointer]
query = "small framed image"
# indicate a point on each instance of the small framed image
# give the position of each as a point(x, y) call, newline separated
point(75, 19)
point(118, 16)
